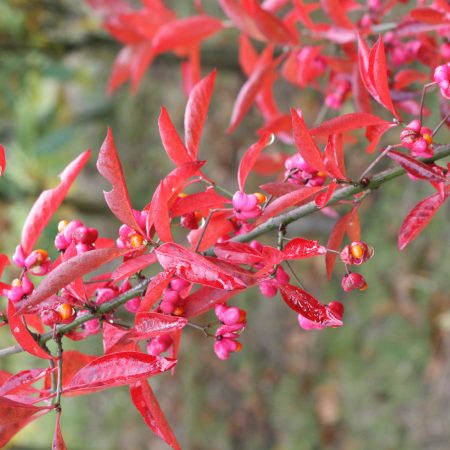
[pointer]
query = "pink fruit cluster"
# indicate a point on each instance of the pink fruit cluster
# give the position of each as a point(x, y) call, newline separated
point(233, 321)
point(173, 297)
point(298, 171)
point(37, 262)
point(246, 206)
point(75, 232)
point(129, 237)
point(418, 139)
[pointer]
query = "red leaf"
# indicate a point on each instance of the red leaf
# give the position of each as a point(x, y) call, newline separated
point(200, 201)
point(270, 164)
point(428, 15)
point(294, 198)
point(238, 253)
point(166, 194)
point(150, 324)
point(155, 289)
point(172, 142)
point(277, 189)
point(334, 242)
point(418, 218)
point(4, 261)
point(58, 441)
point(69, 271)
point(204, 299)
point(406, 77)
point(133, 265)
point(116, 339)
point(147, 404)
point(241, 18)
point(303, 303)
point(49, 201)
point(334, 156)
point(196, 268)
point(191, 71)
point(305, 144)
point(353, 225)
point(14, 416)
point(20, 382)
point(347, 122)
point(415, 167)
point(73, 361)
point(184, 33)
point(251, 87)
point(118, 200)
point(300, 248)
point(116, 369)
point(271, 26)
point(375, 133)
point(324, 197)
point(195, 114)
point(378, 69)
point(2, 160)
point(336, 10)
point(159, 212)
point(250, 157)
point(219, 226)
point(22, 335)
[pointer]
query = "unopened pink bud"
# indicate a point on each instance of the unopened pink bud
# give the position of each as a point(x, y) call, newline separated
point(105, 295)
point(442, 78)
point(178, 284)
point(268, 288)
point(133, 305)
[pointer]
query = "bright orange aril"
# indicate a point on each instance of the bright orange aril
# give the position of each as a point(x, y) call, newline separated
point(65, 311)
point(136, 240)
point(357, 251)
point(260, 197)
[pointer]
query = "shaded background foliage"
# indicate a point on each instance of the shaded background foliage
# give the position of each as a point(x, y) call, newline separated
point(381, 381)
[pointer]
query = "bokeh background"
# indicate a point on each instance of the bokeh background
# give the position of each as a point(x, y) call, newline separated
point(380, 382)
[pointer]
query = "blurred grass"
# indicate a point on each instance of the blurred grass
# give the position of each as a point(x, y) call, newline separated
point(379, 382)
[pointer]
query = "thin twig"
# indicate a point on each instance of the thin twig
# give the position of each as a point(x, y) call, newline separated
point(378, 159)
point(440, 124)
point(289, 266)
point(59, 352)
point(422, 98)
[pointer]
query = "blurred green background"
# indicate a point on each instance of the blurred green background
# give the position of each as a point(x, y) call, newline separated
point(380, 382)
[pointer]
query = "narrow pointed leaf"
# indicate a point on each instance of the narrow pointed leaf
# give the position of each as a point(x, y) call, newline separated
point(335, 241)
point(58, 441)
point(305, 144)
point(204, 299)
point(2, 160)
point(288, 200)
point(195, 114)
point(418, 218)
point(49, 201)
point(300, 248)
point(155, 289)
point(378, 68)
point(415, 167)
point(324, 197)
point(250, 157)
point(118, 200)
point(150, 324)
point(133, 265)
point(69, 271)
point(116, 369)
point(250, 90)
point(148, 406)
point(14, 416)
point(184, 32)
point(22, 335)
point(199, 201)
point(353, 225)
point(171, 140)
point(238, 253)
point(303, 303)
point(196, 268)
point(347, 122)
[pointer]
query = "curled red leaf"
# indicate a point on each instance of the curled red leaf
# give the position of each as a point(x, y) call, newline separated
point(300, 248)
